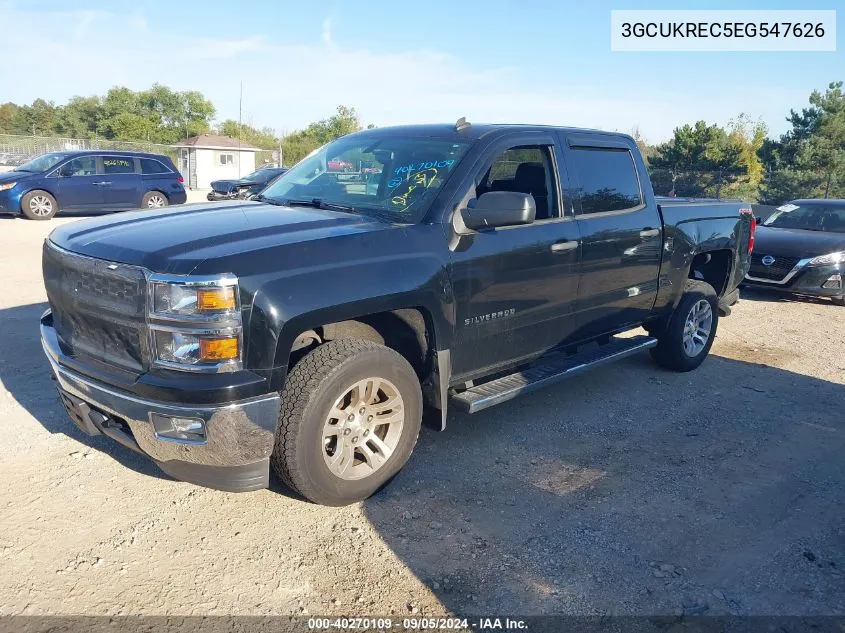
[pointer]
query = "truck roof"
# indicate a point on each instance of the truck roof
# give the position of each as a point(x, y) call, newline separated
point(475, 132)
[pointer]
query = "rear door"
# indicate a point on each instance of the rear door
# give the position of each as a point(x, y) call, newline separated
point(515, 287)
point(77, 184)
point(121, 182)
point(621, 233)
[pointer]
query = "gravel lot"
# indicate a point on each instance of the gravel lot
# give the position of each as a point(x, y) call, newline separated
point(629, 490)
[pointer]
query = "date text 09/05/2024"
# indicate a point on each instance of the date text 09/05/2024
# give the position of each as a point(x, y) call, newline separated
point(417, 624)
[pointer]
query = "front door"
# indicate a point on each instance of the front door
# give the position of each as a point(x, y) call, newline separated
point(621, 235)
point(515, 287)
point(78, 184)
point(121, 183)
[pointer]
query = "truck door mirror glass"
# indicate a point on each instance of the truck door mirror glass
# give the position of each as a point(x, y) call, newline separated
point(500, 208)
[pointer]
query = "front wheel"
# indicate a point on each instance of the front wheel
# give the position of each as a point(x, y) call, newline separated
point(154, 200)
point(687, 339)
point(39, 205)
point(351, 415)
point(840, 301)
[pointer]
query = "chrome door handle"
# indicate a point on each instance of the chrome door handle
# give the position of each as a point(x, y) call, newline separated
point(100, 184)
point(563, 247)
point(649, 232)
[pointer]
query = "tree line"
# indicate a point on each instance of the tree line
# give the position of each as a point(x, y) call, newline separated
point(700, 160)
point(739, 160)
point(164, 116)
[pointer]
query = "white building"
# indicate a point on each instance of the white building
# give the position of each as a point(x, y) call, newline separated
point(208, 157)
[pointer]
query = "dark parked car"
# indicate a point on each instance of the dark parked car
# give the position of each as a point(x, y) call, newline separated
point(308, 330)
point(245, 187)
point(91, 180)
point(801, 250)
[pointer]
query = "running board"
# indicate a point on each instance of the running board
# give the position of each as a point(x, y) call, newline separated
point(548, 372)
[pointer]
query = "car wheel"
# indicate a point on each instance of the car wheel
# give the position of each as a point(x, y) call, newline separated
point(351, 415)
point(154, 200)
point(39, 205)
point(688, 337)
point(840, 301)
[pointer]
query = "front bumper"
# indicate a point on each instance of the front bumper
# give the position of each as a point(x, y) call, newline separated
point(235, 455)
point(806, 280)
point(10, 202)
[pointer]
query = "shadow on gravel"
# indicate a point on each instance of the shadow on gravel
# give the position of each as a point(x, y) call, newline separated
point(25, 373)
point(632, 490)
point(628, 490)
point(773, 296)
point(61, 214)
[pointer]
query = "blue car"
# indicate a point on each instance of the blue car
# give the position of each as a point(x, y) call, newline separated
point(90, 180)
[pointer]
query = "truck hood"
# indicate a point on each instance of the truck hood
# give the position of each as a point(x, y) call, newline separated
point(177, 240)
point(796, 242)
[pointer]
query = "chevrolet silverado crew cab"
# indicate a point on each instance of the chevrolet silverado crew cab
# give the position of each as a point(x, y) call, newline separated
point(307, 330)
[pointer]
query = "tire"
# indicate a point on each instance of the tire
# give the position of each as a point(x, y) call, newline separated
point(324, 382)
point(39, 205)
point(840, 301)
point(154, 200)
point(671, 351)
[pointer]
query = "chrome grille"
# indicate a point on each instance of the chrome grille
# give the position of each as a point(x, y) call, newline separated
point(775, 271)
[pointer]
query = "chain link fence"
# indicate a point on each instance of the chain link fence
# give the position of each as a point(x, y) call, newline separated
point(775, 187)
point(16, 150)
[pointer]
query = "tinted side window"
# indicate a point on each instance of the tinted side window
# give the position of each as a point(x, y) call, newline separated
point(83, 166)
point(524, 169)
point(152, 166)
point(608, 179)
point(118, 165)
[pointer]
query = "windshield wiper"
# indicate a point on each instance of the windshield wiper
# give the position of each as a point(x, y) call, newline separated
point(319, 203)
point(274, 201)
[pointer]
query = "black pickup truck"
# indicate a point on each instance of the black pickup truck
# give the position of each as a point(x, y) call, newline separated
point(309, 330)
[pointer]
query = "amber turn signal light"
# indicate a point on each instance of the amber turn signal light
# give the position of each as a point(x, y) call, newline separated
point(216, 299)
point(216, 349)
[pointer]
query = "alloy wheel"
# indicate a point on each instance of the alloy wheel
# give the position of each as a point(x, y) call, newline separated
point(363, 428)
point(697, 328)
point(41, 206)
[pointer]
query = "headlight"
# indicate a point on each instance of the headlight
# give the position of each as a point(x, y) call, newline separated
point(197, 349)
point(195, 323)
point(7, 185)
point(830, 258)
point(191, 298)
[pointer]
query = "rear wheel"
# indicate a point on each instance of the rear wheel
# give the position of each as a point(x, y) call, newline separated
point(39, 205)
point(154, 200)
point(688, 337)
point(351, 414)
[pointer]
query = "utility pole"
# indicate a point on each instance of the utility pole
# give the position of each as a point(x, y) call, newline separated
point(240, 118)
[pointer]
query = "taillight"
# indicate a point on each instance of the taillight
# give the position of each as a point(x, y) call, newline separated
point(180, 179)
point(750, 213)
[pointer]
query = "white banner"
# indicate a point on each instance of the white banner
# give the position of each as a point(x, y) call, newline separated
point(722, 30)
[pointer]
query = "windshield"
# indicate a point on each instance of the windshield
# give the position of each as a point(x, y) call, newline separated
point(392, 177)
point(809, 217)
point(43, 163)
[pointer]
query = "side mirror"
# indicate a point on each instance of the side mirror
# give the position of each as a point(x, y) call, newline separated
point(65, 171)
point(500, 208)
point(758, 220)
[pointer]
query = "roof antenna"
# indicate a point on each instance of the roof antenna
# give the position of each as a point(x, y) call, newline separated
point(462, 124)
